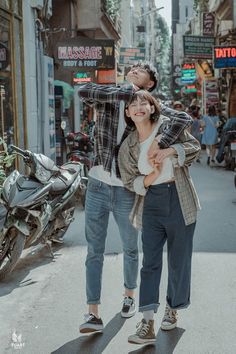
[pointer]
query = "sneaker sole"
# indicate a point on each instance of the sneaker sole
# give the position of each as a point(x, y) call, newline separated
point(91, 329)
point(127, 315)
point(142, 341)
point(168, 328)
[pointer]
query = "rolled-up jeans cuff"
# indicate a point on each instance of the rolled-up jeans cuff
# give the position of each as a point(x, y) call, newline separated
point(98, 302)
point(153, 307)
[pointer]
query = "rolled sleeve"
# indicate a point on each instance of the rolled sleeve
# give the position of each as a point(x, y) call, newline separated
point(139, 185)
point(181, 156)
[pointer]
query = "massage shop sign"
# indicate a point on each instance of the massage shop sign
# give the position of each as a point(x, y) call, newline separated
point(86, 53)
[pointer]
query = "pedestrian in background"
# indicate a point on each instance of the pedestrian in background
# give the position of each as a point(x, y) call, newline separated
point(178, 106)
point(210, 133)
point(196, 127)
point(105, 190)
point(166, 213)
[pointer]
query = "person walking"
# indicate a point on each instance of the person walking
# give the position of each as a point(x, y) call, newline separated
point(105, 190)
point(165, 209)
point(210, 133)
point(196, 127)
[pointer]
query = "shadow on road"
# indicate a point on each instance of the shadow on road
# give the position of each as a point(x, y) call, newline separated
point(37, 257)
point(165, 344)
point(93, 343)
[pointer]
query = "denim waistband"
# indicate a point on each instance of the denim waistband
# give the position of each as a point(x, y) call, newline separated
point(163, 185)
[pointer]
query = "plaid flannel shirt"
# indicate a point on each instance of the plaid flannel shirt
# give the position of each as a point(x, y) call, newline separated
point(106, 100)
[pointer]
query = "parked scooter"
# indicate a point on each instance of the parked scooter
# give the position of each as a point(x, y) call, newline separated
point(81, 150)
point(40, 206)
point(227, 145)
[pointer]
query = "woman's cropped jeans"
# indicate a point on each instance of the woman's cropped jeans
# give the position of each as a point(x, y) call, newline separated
point(163, 221)
point(101, 199)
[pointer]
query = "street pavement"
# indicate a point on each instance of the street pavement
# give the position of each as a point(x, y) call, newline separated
point(42, 303)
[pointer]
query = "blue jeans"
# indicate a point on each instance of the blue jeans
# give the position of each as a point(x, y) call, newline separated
point(163, 221)
point(101, 199)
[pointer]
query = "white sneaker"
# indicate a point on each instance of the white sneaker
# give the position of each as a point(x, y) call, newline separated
point(128, 309)
point(169, 320)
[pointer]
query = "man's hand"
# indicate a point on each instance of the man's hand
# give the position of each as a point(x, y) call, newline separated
point(162, 154)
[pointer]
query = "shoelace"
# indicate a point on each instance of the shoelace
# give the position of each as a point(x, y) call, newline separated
point(170, 314)
point(142, 328)
point(88, 317)
point(128, 301)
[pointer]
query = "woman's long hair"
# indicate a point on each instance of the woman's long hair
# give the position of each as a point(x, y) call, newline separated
point(212, 111)
point(153, 102)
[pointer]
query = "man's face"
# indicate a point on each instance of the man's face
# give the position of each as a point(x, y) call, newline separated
point(139, 77)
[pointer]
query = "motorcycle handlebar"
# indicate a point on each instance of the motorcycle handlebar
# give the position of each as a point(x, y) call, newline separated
point(18, 150)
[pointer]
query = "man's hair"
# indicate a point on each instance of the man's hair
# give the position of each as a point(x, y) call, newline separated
point(151, 71)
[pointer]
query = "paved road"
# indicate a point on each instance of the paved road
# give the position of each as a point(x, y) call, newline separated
point(42, 303)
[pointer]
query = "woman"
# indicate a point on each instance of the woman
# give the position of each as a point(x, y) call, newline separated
point(167, 213)
point(210, 133)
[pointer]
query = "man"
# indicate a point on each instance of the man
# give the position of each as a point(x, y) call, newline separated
point(106, 193)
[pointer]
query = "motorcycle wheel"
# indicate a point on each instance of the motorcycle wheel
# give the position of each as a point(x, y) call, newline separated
point(10, 252)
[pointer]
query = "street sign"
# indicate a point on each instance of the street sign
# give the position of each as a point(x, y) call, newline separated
point(86, 54)
point(131, 55)
point(198, 46)
point(224, 57)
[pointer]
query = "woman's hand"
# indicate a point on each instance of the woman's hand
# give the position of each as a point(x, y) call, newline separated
point(149, 179)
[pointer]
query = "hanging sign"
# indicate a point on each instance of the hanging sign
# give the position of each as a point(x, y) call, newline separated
point(224, 57)
point(86, 53)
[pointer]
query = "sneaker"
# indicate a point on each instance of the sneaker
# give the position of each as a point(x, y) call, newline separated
point(198, 160)
point(91, 324)
point(169, 320)
point(208, 160)
point(128, 309)
point(144, 333)
point(212, 160)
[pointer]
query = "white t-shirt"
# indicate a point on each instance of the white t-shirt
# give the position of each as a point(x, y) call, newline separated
point(167, 172)
point(98, 172)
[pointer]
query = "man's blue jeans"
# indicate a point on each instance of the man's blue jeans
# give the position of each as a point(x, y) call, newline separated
point(101, 199)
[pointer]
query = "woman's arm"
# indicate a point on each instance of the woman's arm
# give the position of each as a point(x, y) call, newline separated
point(94, 93)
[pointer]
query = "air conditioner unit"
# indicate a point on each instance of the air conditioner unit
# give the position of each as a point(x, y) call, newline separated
point(37, 4)
point(225, 26)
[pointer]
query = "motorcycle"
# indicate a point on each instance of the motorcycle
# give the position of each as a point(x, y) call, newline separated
point(227, 145)
point(81, 150)
point(40, 205)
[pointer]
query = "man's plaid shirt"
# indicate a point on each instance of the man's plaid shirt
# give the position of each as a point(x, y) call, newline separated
point(106, 100)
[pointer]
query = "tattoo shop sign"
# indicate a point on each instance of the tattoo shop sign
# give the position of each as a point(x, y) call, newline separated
point(87, 54)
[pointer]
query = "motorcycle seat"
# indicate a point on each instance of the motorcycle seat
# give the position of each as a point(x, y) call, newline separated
point(63, 181)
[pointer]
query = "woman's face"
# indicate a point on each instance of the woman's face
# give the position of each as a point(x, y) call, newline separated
point(140, 110)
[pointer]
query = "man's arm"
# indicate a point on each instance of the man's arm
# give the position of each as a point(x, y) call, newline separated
point(178, 122)
point(94, 93)
point(185, 149)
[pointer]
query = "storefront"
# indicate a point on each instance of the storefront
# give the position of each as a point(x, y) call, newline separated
point(12, 104)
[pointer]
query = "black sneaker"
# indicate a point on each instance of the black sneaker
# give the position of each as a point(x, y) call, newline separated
point(91, 324)
point(208, 160)
point(128, 309)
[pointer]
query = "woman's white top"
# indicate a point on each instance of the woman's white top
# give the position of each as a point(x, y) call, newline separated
point(167, 172)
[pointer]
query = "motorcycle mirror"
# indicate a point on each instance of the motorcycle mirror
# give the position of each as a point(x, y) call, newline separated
point(10, 149)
